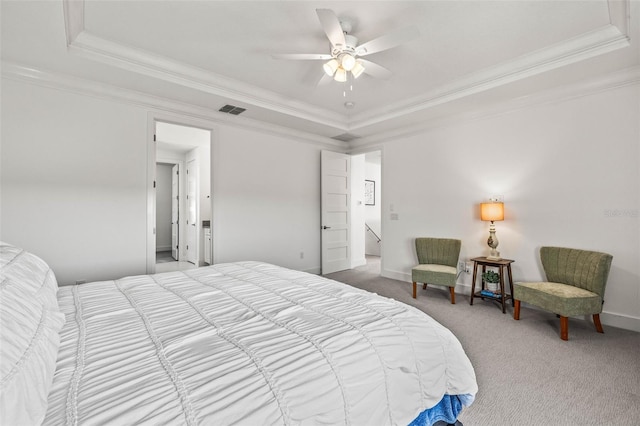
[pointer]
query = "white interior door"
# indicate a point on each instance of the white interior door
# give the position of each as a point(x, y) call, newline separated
point(335, 199)
point(192, 211)
point(175, 212)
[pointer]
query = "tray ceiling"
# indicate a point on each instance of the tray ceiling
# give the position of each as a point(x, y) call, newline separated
point(211, 53)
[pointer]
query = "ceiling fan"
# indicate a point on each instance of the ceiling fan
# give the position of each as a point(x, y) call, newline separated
point(346, 54)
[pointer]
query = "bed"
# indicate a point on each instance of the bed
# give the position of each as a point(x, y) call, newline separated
point(244, 343)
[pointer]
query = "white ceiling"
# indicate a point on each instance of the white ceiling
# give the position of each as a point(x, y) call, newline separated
point(205, 54)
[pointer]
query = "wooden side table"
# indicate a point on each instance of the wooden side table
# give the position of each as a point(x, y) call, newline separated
point(501, 263)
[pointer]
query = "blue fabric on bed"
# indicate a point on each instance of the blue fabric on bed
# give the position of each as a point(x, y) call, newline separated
point(446, 410)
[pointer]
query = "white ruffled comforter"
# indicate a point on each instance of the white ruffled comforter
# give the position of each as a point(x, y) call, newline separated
point(247, 343)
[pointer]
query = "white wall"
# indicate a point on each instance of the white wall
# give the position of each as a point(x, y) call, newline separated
point(266, 191)
point(569, 173)
point(373, 171)
point(163, 206)
point(74, 187)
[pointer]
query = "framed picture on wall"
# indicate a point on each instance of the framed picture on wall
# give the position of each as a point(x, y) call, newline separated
point(370, 192)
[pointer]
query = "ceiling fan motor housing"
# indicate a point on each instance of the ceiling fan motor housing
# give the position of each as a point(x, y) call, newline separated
point(350, 48)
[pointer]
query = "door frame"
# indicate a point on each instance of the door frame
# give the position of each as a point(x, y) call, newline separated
point(194, 167)
point(152, 118)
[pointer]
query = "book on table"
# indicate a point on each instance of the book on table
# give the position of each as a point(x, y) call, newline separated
point(489, 293)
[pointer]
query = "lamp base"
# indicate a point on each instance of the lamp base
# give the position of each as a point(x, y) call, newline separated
point(494, 255)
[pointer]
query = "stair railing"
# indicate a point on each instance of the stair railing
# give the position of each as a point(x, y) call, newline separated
point(368, 228)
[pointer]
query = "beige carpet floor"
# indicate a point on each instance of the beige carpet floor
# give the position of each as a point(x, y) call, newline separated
point(526, 374)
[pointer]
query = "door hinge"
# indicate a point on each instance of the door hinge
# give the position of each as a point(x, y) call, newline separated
point(154, 138)
point(154, 183)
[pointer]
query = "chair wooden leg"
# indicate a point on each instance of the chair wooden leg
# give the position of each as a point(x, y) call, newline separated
point(516, 310)
point(564, 328)
point(414, 289)
point(424, 286)
point(453, 295)
point(596, 321)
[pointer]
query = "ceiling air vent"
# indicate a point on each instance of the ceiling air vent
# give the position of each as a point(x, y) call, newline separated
point(232, 109)
point(345, 137)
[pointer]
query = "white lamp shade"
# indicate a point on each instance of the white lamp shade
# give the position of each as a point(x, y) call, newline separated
point(347, 62)
point(357, 69)
point(331, 67)
point(341, 75)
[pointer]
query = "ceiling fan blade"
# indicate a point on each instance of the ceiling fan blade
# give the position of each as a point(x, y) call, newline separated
point(331, 26)
point(301, 56)
point(388, 41)
point(375, 70)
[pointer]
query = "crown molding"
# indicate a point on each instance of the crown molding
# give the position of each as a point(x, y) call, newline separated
point(85, 44)
point(73, 18)
point(600, 41)
point(12, 71)
point(620, 14)
point(594, 43)
point(619, 79)
point(145, 63)
point(92, 88)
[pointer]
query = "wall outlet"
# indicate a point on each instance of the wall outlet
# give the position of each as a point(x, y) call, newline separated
point(301, 255)
point(467, 267)
point(461, 266)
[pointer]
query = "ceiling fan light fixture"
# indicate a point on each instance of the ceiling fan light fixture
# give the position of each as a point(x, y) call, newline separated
point(347, 61)
point(357, 69)
point(331, 67)
point(341, 75)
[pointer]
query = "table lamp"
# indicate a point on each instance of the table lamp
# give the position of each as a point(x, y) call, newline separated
point(492, 211)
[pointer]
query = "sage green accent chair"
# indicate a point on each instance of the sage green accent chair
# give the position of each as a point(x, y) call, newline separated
point(576, 280)
point(438, 258)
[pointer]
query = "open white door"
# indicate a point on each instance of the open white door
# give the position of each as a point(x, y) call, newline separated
point(335, 199)
point(192, 208)
point(175, 215)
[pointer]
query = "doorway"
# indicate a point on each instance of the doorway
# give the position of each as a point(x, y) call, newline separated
point(351, 214)
point(179, 196)
point(167, 212)
point(373, 210)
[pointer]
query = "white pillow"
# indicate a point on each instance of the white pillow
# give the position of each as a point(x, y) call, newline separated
point(29, 272)
point(29, 339)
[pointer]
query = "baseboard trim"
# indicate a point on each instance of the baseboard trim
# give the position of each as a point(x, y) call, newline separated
point(612, 319)
point(395, 275)
point(620, 321)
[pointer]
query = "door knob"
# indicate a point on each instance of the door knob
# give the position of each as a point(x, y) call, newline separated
point(326, 227)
